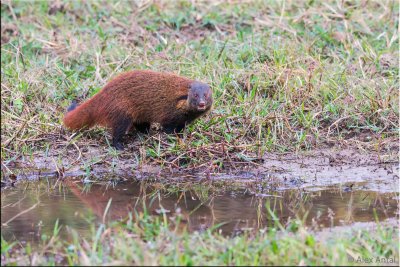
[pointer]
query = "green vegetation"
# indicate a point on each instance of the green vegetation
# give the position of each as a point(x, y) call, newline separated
point(286, 76)
point(151, 240)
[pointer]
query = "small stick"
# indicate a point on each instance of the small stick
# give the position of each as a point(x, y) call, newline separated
point(19, 214)
point(18, 131)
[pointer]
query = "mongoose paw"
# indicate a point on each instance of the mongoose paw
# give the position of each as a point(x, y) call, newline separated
point(173, 129)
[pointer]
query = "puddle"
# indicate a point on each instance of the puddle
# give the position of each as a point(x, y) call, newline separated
point(31, 209)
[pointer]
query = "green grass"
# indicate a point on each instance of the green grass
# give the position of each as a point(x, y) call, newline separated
point(285, 76)
point(149, 240)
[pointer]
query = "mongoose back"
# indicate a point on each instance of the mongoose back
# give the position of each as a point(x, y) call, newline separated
point(139, 98)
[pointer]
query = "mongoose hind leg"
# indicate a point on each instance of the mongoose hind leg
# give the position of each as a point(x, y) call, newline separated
point(119, 128)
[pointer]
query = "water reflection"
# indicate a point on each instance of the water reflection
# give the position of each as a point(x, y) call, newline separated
point(137, 197)
point(32, 210)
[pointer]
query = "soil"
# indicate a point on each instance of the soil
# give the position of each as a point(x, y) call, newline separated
point(312, 170)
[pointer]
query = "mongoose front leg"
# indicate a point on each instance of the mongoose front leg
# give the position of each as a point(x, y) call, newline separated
point(143, 127)
point(173, 128)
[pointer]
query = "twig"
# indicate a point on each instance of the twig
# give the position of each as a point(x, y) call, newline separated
point(17, 132)
point(19, 214)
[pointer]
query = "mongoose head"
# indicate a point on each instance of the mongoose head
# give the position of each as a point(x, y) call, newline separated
point(199, 97)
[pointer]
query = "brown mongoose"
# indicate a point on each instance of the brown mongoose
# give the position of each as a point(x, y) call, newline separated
point(138, 98)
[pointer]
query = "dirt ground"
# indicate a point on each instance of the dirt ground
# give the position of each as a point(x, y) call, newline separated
point(328, 167)
point(351, 168)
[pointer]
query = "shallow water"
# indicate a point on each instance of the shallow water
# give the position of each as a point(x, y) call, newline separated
point(30, 211)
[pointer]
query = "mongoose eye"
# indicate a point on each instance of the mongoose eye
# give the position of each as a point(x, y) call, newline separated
point(196, 96)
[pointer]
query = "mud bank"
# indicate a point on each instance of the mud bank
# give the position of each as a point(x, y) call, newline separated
point(314, 170)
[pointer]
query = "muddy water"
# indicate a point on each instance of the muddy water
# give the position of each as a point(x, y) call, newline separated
point(30, 211)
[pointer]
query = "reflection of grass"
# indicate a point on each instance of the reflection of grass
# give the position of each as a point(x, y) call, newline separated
point(290, 76)
point(156, 241)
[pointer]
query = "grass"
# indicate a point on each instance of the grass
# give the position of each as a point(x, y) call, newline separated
point(150, 240)
point(286, 76)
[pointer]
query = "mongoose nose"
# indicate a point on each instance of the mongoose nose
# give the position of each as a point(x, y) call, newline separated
point(202, 104)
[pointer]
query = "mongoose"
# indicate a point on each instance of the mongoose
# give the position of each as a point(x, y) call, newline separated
point(139, 98)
